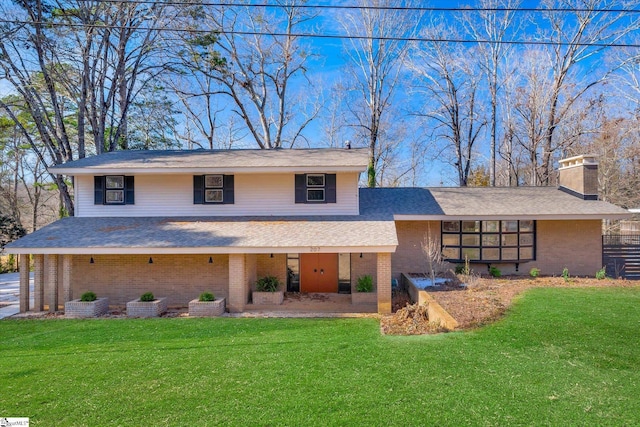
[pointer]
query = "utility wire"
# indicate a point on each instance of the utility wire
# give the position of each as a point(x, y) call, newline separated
point(356, 7)
point(332, 36)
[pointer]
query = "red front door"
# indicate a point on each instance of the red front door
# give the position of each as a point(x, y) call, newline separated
point(318, 272)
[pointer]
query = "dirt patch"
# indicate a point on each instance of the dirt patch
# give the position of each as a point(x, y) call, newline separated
point(482, 301)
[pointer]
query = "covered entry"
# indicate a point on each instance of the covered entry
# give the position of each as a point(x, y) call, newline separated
point(318, 272)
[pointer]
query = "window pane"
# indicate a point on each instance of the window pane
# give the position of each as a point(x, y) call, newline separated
point(115, 182)
point(213, 196)
point(510, 253)
point(509, 240)
point(490, 226)
point(114, 196)
point(509, 226)
point(470, 240)
point(471, 253)
point(491, 254)
point(213, 181)
point(451, 240)
point(451, 226)
point(451, 253)
point(344, 267)
point(526, 253)
point(315, 180)
point(490, 240)
point(526, 225)
point(470, 226)
point(315, 195)
point(526, 239)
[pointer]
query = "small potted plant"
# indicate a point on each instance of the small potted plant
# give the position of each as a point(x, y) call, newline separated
point(89, 305)
point(364, 291)
point(206, 306)
point(146, 306)
point(267, 291)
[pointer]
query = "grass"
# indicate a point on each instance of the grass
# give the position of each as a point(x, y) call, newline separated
point(561, 357)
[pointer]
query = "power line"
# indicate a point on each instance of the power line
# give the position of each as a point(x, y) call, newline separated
point(392, 8)
point(333, 36)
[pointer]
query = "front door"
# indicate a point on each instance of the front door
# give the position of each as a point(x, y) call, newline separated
point(319, 272)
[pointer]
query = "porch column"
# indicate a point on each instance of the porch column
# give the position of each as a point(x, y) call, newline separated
point(237, 281)
point(51, 265)
point(67, 291)
point(383, 282)
point(38, 282)
point(24, 282)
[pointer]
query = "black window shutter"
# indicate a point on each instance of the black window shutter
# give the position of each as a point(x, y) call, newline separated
point(228, 194)
point(301, 188)
point(98, 190)
point(198, 189)
point(330, 188)
point(129, 198)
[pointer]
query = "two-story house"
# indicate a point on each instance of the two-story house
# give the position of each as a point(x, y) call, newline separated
point(178, 223)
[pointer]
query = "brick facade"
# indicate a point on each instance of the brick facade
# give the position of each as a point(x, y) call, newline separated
point(576, 245)
point(268, 266)
point(123, 278)
point(363, 266)
point(409, 257)
point(24, 282)
point(383, 275)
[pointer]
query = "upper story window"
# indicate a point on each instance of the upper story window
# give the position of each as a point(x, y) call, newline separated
point(113, 190)
point(213, 189)
point(488, 241)
point(315, 188)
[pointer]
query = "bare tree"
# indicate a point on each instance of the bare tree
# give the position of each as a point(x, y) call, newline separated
point(375, 57)
point(495, 23)
point(76, 66)
point(577, 38)
point(258, 72)
point(449, 83)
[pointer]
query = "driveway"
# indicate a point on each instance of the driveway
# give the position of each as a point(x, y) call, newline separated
point(10, 294)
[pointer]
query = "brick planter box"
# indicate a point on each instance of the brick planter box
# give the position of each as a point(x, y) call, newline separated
point(155, 308)
point(361, 298)
point(77, 309)
point(268, 298)
point(206, 308)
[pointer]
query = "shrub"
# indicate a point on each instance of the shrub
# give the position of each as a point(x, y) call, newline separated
point(601, 274)
point(365, 284)
point(534, 272)
point(88, 297)
point(147, 297)
point(495, 271)
point(206, 296)
point(565, 274)
point(267, 284)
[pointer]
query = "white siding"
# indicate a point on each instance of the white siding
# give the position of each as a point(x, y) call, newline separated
point(259, 195)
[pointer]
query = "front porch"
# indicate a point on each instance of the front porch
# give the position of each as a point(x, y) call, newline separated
point(296, 303)
point(59, 278)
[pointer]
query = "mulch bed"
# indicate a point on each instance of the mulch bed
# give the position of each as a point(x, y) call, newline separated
point(482, 301)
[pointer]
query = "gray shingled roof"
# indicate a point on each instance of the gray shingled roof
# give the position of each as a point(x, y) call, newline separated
point(327, 158)
point(205, 232)
point(530, 202)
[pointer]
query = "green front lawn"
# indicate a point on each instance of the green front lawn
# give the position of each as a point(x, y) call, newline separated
point(561, 357)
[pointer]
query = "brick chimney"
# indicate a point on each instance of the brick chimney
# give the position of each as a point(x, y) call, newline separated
point(579, 176)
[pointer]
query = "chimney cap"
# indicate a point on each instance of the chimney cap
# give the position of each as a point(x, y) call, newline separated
point(583, 159)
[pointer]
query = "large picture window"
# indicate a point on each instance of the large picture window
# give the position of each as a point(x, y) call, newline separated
point(488, 241)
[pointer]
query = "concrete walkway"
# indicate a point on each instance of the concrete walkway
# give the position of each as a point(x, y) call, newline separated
point(10, 294)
